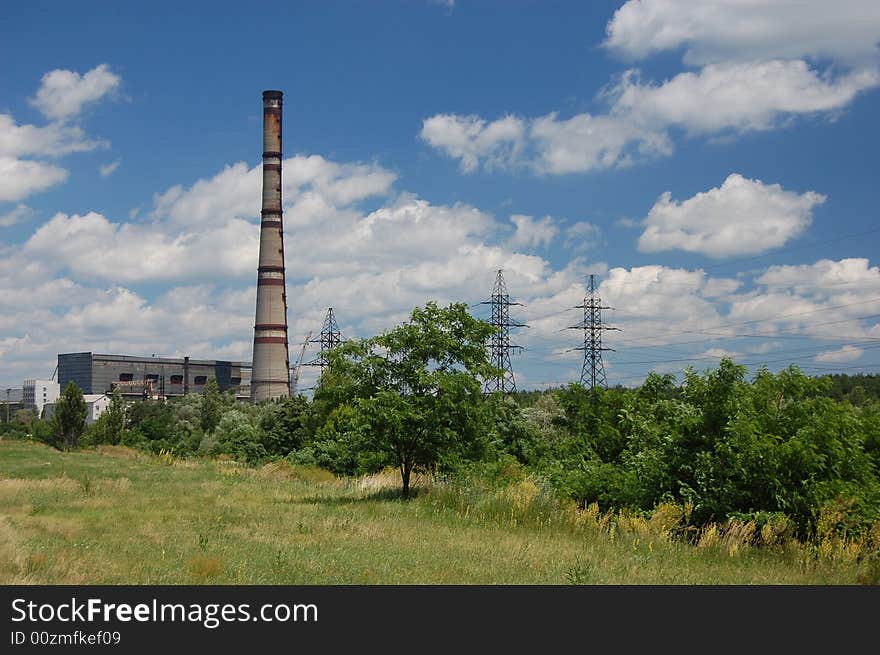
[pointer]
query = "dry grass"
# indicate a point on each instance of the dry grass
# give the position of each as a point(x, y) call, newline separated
point(118, 517)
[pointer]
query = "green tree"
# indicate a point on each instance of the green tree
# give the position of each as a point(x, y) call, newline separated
point(70, 415)
point(115, 421)
point(212, 408)
point(415, 389)
point(284, 425)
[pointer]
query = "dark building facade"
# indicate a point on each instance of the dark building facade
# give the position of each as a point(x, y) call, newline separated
point(164, 376)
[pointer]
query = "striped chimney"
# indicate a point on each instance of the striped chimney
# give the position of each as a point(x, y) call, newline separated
point(270, 375)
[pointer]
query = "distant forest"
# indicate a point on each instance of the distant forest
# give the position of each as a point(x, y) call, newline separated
point(857, 389)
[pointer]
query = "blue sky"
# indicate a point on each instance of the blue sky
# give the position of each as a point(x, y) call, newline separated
point(715, 165)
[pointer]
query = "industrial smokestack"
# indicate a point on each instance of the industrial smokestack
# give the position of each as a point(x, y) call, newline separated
point(270, 375)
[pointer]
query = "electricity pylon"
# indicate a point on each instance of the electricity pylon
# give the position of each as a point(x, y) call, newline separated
point(499, 345)
point(330, 337)
point(593, 371)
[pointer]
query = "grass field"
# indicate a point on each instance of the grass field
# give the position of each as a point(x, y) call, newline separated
point(116, 516)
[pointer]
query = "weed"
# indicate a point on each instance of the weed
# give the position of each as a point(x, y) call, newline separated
point(579, 573)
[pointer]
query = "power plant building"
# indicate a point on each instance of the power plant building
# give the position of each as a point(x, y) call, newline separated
point(35, 394)
point(151, 376)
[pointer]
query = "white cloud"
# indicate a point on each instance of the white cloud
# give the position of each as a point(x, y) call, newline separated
point(379, 265)
point(235, 192)
point(57, 98)
point(719, 30)
point(472, 140)
point(585, 142)
point(20, 178)
point(64, 93)
point(662, 294)
point(106, 170)
point(719, 353)
point(761, 66)
point(718, 100)
point(840, 277)
point(52, 140)
point(844, 354)
point(95, 248)
point(740, 217)
point(532, 233)
point(17, 215)
point(581, 236)
point(739, 97)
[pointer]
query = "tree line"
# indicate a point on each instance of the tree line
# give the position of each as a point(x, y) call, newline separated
point(779, 447)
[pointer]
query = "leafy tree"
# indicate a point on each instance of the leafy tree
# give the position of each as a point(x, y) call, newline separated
point(415, 390)
point(512, 432)
point(70, 415)
point(285, 425)
point(211, 408)
point(237, 435)
point(115, 421)
point(150, 425)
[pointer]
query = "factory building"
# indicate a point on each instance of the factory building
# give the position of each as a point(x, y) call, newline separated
point(10, 402)
point(36, 393)
point(154, 377)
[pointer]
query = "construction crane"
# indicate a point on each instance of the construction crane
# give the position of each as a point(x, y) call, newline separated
point(296, 366)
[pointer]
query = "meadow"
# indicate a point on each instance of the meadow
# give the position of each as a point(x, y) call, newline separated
point(115, 515)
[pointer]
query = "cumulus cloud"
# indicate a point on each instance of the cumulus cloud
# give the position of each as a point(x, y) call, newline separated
point(64, 93)
point(474, 141)
point(93, 247)
point(719, 30)
point(760, 65)
point(52, 140)
point(24, 148)
point(844, 354)
point(718, 100)
point(844, 276)
point(90, 282)
point(20, 178)
point(308, 181)
point(739, 97)
point(382, 262)
point(740, 217)
point(532, 233)
point(585, 142)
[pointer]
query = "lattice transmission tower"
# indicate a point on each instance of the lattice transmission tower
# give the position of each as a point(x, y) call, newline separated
point(499, 345)
point(330, 337)
point(593, 371)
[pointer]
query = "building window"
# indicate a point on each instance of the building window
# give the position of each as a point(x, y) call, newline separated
point(201, 379)
point(125, 377)
point(235, 381)
point(176, 379)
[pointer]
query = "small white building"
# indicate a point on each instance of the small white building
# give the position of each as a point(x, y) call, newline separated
point(96, 404)
point(37, 393)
